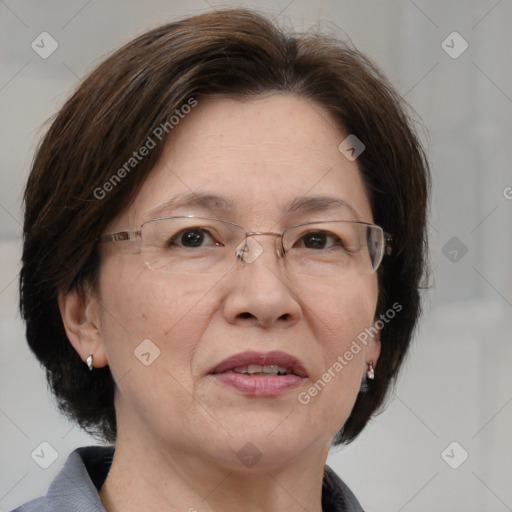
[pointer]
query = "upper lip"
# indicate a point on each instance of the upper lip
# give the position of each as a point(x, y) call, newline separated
point(277, 358)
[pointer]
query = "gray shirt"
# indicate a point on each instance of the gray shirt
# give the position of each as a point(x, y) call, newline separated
point(75, 488)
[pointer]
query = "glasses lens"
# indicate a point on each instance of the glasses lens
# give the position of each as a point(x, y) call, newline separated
point(334, 248)
point(190, 245)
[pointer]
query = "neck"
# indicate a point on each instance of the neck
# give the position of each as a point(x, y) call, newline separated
point(147, 477)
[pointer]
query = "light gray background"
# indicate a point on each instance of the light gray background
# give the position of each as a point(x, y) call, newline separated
point(457, 384)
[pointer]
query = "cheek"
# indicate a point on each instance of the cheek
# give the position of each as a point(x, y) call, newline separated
point(338, 311)
point(151, 325)
point(149, 306)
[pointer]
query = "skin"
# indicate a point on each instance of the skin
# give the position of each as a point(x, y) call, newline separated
point(179, 430)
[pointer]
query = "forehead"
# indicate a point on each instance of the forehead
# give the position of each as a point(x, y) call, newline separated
point(260, 156)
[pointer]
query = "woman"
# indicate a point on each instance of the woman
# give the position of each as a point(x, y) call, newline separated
point(223, 242)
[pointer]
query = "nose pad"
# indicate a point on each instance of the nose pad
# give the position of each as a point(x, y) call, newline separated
point(250, 249)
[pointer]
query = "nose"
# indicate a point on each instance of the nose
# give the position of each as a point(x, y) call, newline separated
point(260, 293)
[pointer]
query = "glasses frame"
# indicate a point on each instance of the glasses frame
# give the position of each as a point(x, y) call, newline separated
point(131, 235)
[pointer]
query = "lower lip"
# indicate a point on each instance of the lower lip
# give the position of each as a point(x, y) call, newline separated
point(259, 385)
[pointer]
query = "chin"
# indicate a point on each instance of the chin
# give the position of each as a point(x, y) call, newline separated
point(266, 443)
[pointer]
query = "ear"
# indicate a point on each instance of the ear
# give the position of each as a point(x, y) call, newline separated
point(79, 312)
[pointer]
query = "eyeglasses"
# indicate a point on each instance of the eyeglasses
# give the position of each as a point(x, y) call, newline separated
point(199, 245)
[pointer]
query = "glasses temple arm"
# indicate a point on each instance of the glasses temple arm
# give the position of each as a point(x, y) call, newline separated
point(121, 236)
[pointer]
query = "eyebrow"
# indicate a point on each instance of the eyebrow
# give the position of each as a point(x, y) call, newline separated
point(320, 204)
point(209, 202)
point(215, 203)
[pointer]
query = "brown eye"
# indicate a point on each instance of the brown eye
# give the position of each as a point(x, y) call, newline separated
point(191, 238)
point(317, 240)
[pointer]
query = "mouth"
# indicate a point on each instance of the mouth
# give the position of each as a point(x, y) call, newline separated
point(261, 363)
point(260, 374)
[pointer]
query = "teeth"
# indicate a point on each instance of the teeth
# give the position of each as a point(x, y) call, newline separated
point(252, 369)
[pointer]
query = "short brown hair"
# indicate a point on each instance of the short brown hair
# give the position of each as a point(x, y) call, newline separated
point(235, 53)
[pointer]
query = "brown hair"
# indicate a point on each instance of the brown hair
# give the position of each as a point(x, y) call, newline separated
point(235, 53)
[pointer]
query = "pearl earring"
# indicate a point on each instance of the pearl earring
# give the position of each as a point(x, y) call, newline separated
point(370, 372)
point(88, 362)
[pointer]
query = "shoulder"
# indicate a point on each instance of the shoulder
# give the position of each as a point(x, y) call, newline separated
point(75, 488)
point(336, 496)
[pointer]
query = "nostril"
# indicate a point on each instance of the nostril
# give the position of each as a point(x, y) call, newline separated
point(286, 316)
point(246, 314)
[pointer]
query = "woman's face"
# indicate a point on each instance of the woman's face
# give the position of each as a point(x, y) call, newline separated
point(259, 158)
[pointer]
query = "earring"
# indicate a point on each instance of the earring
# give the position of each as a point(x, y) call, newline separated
point(88, 362)
point(370, 373)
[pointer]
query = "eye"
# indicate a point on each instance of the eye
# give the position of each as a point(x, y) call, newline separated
point(317, 240)
point(192, 238)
